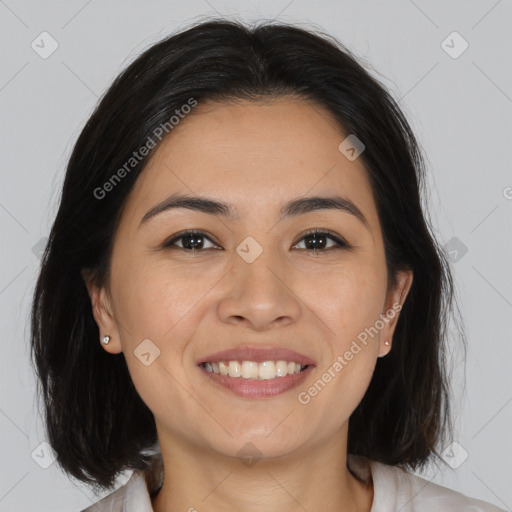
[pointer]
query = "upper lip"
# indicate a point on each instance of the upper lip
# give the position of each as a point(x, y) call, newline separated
point(258, 355)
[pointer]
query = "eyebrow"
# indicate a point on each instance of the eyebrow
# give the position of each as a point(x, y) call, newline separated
point(292, 208)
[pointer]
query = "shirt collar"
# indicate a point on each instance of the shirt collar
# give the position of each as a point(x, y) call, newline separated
point(143, 485)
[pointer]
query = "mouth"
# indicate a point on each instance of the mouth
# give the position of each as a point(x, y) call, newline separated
point(253, 370)
point(256, 372)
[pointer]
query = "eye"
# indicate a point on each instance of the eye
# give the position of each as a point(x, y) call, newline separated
point(190, 240)
point(316, 240)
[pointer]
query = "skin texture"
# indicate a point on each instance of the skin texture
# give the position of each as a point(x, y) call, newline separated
point(255, 156)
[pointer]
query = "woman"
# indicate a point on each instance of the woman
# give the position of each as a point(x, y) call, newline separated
point(241, 299)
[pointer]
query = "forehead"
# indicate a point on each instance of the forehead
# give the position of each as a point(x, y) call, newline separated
point(255, 156)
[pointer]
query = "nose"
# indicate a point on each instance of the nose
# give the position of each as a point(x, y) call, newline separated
point(260, 294)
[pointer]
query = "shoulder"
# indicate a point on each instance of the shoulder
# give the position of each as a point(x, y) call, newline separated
point(135, 495)
point(397, 489)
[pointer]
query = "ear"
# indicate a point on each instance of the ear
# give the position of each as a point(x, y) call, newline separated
point(102, 312)
point(394, 301)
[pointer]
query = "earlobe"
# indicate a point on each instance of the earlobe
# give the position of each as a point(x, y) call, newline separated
point(387, 343)
point(113, 346)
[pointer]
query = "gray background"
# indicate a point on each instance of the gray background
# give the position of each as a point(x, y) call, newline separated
point(460, 108)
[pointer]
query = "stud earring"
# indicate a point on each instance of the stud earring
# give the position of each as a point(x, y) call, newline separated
point(387, 343)
point(105, 340)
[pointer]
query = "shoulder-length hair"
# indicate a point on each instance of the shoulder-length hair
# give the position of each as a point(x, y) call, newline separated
point(94, 418)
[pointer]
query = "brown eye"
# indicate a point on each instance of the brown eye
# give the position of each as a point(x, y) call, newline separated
point(191, 240)
point(317, 240)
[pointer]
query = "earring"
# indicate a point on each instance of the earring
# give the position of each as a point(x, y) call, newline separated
point(105, 340)
point(387, 343)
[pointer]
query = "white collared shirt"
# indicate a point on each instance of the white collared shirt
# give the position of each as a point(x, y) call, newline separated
point(395, 490)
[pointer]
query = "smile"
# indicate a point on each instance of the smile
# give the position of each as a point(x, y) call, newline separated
point(253, 370)
point(240, 378)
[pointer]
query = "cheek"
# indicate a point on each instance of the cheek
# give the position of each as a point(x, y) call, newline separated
point(154, 301)
point(349, 302)
point(164, 308)
point(159, 313)
point(338, 388)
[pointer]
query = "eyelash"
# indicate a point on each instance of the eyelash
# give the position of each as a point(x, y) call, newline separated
point(341, 244)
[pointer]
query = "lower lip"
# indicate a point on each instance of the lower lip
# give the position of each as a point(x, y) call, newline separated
point(251, 388)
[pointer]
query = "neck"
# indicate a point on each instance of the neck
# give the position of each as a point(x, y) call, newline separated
point(310, 479)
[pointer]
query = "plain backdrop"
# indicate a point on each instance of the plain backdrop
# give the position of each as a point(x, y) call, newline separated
point(456, 91)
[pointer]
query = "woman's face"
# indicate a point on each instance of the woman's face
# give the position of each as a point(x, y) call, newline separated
point(250, 284)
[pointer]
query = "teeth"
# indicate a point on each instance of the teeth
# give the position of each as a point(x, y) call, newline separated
point(253, 370)
point(224, 370)
point(282, 368)
point(267, 370)
point(234, 370)
point(249, 370)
